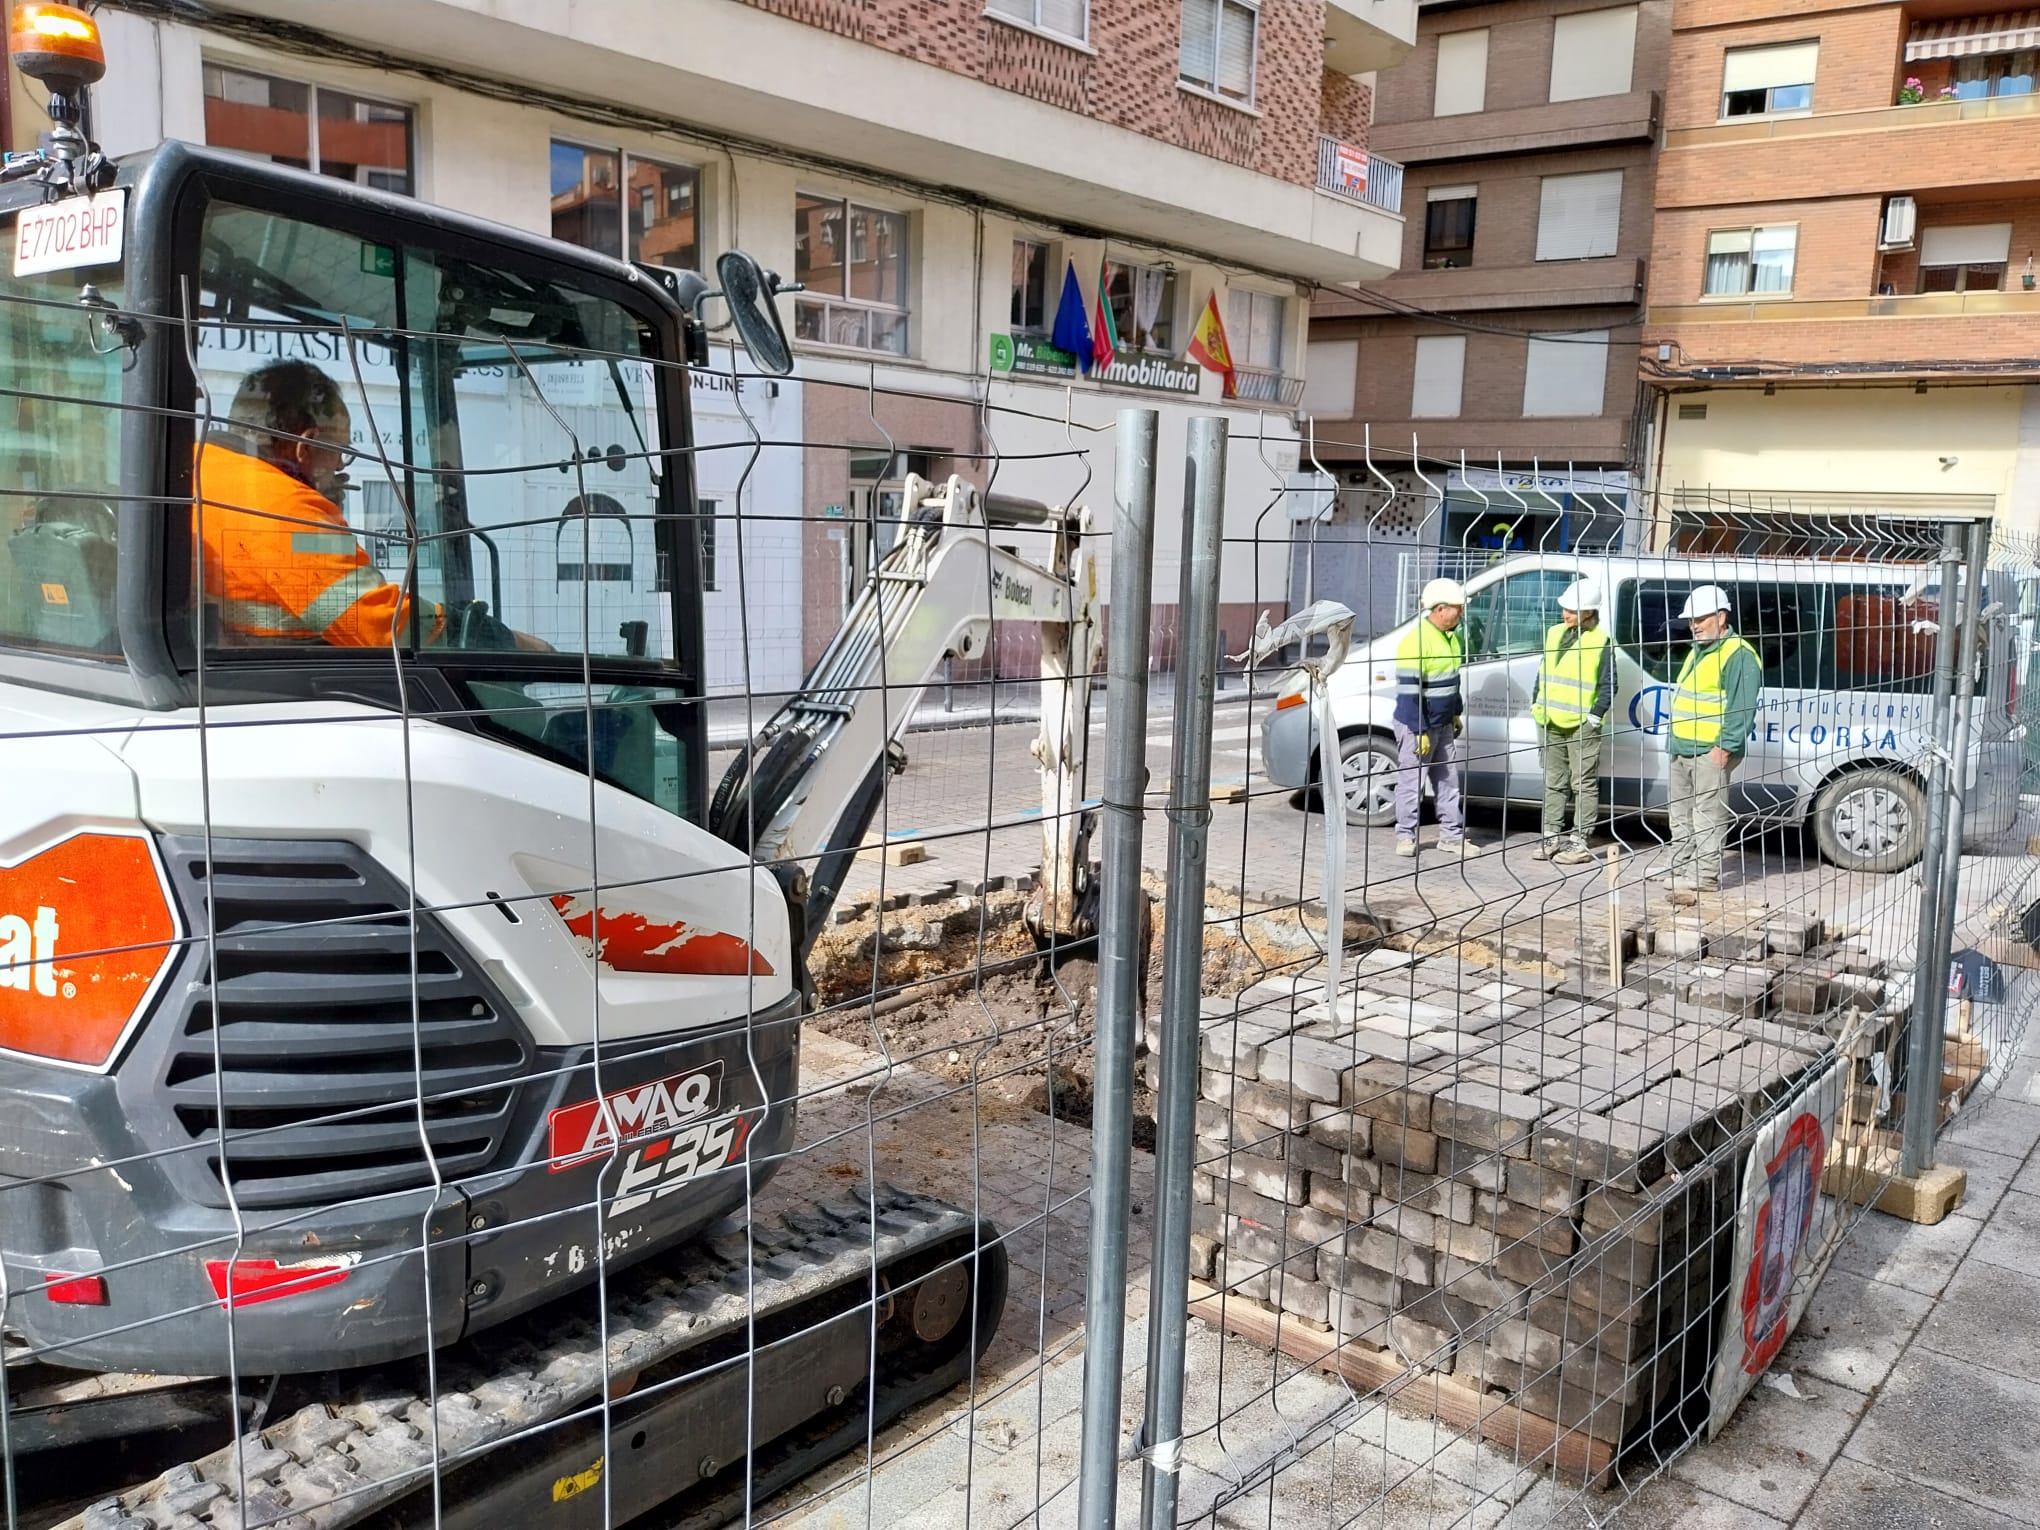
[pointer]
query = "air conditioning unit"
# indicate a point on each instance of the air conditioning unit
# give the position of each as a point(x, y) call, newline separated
point(1900, 215)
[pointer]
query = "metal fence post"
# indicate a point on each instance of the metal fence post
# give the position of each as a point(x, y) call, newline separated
point(1939, 859)
point(1182, 967)
point(1120, 960)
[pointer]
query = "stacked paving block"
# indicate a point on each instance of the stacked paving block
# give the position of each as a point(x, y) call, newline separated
point(1501, 1180)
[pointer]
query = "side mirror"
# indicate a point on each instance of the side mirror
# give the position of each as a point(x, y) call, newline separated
point(749, 290)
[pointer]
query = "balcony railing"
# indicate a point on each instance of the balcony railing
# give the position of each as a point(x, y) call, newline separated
point(1822, 124)
point(1261, 386)
point(1353, 173)
point(1923, 305)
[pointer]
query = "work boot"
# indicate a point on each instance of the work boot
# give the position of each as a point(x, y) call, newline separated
point(1457, 849)
point(1405, 847)
point(1544, 850)
point(1575, 853)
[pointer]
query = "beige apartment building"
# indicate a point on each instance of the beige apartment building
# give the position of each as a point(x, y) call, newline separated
point(1503, 351)
point(929, 171)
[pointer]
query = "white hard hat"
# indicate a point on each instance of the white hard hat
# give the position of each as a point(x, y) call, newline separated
point(1443, 592)
point(1705, 601)
point(1581, 595)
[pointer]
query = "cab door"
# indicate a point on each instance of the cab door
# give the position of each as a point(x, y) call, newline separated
point(1506, 620)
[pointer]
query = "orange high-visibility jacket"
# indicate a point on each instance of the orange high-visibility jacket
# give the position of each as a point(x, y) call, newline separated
point(282, 562)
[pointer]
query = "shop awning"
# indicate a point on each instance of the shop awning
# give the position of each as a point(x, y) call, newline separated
point(2004, 33)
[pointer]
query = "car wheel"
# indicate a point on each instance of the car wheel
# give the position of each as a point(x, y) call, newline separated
point(1370, 764)
point(1871, 820)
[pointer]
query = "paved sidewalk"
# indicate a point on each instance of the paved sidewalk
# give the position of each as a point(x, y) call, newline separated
point(1919, 1359)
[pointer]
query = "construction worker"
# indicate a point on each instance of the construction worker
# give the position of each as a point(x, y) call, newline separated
point(280, 559)
point(1713, 708)
point(1429, 717)
point(1575, 690)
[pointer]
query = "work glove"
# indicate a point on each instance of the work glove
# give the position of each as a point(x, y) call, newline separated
point(1423, 746)
point(1592, 725)
point(1458, 726)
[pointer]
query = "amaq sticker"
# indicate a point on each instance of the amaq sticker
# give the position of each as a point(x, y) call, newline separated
point(87, 930)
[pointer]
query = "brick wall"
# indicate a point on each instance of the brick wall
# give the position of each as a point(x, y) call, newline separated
point(1128, 77)
point(1508, 196)
point(1519, 54)
point(1860, 63)
point(1345, 107)
point(1836, 255)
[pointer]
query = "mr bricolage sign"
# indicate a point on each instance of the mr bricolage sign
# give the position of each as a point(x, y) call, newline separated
point(1032, 356)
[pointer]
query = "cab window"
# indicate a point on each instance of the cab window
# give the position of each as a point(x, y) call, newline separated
point(60, 385)
point(1784, 622)
point(1508, 619)
point(450, 458)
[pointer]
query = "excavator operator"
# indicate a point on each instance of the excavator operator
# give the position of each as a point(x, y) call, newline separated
point(280, 560)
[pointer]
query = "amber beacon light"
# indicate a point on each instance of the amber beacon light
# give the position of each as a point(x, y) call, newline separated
point(57, 45)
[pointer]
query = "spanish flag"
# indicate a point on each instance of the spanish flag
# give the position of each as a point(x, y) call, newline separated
point(1208, 347)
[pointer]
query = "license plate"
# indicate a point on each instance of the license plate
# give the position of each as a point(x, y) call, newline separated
point(73, 233)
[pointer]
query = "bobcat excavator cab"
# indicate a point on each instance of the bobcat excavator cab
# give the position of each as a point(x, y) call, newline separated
point(369, 990)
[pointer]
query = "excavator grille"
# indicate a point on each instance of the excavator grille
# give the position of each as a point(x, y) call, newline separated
point(345, 1044)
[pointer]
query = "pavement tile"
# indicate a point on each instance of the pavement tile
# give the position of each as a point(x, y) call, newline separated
point(1663, 1503)
point(1953, 1426)
point(1857, 1497)
point(2012, 1237)
point(2007, 1126)
point(1984, 1307)
point(1771, 1455)
point(1853, 1330)
point(1902, 1253)
point(1990, 1175)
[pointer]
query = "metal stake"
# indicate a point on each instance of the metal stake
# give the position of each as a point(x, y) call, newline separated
point(1120, 964)
point(1182, 968)
point(1930, 984)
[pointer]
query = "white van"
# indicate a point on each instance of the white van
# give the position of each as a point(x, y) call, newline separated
point(1840, 734)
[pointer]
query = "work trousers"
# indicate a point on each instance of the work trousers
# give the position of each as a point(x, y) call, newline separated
point(1572, 778)
point(1700, 817)
point(1442, 765)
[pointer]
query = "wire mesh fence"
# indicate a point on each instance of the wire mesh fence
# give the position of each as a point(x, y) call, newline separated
point(560, 968)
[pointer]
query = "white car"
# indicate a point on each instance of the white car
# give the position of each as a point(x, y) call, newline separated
point(1840, 732)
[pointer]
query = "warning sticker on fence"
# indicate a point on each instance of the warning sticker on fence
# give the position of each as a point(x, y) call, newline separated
point(1786, 1231)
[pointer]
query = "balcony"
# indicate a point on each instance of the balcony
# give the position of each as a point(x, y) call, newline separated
point(1357, 175)
point(1361, 35)
point(1882, 119)
point(1606, 282)
point(1259, 385)
point(1596, 121)
point(1924, 305)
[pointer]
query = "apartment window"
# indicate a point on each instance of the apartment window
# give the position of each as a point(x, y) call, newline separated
point(1593, 53)
point(1579, 217)
point(1030, 287)
point(332, 132)
point(1448, 227)
point(625, 206)
point(1218, 47)
point(1997, 74)
point(1143, 303)
point(1757, 82)
point(1066, 18)
point(1565, 375)
point(853, 261)
point(1965, 257)
point(1743, 261)
point(1254, 323)
point(1438, 377)
point(1462, 73)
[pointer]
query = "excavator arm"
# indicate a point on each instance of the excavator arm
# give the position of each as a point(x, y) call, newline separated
point(801, 796)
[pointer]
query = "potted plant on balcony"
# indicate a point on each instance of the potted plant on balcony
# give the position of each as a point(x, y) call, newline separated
point(2026, 276)
point(1912, 92)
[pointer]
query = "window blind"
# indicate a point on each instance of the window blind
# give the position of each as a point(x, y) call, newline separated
point(1973, 244)
point(1438, 377)
point(1566, 375)
point(1768, 67)
point(1593, 53)
point(1462, 73)
point(1579, 216)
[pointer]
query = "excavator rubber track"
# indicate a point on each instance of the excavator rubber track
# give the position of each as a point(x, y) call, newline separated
point(734, 1367)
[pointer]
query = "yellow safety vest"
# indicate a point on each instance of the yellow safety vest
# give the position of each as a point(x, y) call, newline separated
point(1427, 675)
point(1567, 682)
point(1701, 700)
